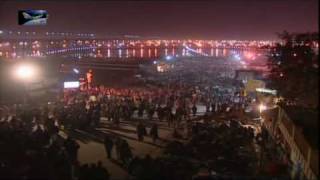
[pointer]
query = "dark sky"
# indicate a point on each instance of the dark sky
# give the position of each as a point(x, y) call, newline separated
point(217, 19)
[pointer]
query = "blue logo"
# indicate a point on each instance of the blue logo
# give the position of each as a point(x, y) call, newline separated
point(32, 17)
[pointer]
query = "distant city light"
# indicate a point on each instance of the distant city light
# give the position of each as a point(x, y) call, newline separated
point(168, 58)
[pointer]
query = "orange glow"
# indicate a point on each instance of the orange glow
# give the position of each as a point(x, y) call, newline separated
point(198, 44)
point(249, 55)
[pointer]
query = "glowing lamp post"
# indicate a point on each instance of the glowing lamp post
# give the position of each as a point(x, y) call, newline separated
point(262, 108)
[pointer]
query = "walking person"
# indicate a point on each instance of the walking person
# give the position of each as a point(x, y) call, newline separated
point(160, 112)
point(140, 131)
point(118, 143)
point(154, 132)
point(194, 109)
point(72, 147)
point(151, 111)
point(108, 144)
point(125, 153)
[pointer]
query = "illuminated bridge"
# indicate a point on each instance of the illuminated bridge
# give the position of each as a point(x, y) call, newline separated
point(22, 44)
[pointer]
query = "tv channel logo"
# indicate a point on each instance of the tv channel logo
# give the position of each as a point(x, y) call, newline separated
point(32, 17)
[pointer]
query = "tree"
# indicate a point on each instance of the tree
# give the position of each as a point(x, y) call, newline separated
point(293, 68)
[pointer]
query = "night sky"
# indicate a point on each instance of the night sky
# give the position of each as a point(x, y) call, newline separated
point(219, 19)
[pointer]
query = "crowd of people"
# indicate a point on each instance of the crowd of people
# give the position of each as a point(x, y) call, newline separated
point(94, 171)
point(172, 104)
point(123, 151)
point(33, 131)
point(31, 147)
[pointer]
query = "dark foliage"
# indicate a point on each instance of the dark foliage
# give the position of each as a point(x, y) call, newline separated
point(294, 68)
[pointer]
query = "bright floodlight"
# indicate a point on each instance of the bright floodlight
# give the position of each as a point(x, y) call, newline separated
point(25, 72)
point(262, 108)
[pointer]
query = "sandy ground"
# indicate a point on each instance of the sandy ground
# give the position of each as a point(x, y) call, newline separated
point(92, 149)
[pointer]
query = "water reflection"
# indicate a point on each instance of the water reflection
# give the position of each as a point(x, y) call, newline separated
point(120, 53)
point(224, 52)
point(109, 54)
point(127, 52)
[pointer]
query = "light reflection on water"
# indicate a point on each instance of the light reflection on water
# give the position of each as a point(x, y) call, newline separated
point(158, 52)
